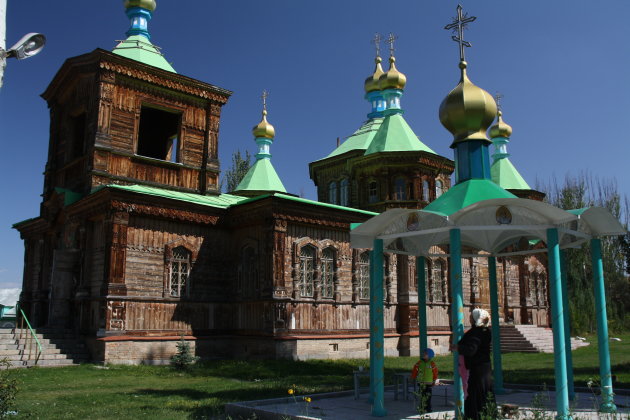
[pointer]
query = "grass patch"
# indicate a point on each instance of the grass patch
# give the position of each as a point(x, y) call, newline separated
point(161, 392)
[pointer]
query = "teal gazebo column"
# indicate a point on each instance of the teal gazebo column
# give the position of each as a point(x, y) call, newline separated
point(567, 324)
point(496, 334)
point(555, 285)
point(457, 314)
point(608, 404)
point(422, 303)
point(377, 335)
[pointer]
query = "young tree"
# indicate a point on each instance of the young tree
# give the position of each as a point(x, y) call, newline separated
point(585, 190)
point(238, 170)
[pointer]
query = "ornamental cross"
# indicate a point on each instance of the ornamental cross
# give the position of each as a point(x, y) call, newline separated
point(377, 43)
point(390, 40)
point(264, 99)
point(497, 99)
point(460, 23)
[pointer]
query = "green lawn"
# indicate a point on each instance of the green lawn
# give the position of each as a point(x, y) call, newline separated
point(162, 393)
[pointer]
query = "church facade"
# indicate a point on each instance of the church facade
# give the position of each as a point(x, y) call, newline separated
point(135, 246)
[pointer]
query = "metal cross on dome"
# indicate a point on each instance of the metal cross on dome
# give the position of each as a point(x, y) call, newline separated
point(459, 24)
point(390, 40)
point(264, 99)
point(377, 43)
point(497, 98)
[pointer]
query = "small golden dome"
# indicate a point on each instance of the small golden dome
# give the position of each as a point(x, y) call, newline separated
point(145, 4)
point(264, 129)
point(500, 128)
point(393, 79)
point(371, 83)
point(467, 111)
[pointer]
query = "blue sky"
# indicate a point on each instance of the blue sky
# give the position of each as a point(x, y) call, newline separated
point(561, 65)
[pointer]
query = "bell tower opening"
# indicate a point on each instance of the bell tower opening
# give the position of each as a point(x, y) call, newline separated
point(158, 134)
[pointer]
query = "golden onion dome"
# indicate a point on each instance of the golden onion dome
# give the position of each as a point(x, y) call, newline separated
point(371, 83)
point(500, 128)
point(393, 79)
point(264, 129)
point(467, 111)
point(145, 4)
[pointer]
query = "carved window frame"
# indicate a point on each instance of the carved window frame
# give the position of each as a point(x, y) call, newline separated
point(344, 192)
point(306, 273)
point(328, 272)
point(170, 259)
point(363, 275)
point(400, 188)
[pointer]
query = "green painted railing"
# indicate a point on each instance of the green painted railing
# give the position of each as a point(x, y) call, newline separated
point(30, 338)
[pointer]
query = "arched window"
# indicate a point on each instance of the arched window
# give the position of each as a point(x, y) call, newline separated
point(425, 190)
point(345, 193)
point(247, 283)
point(328, 273)
point(400, 189)
point(372, 192)
point(307, 271)
point(364, 275)
point(332, 193)
point(180, 270)
point(439, 188)
point(437, 281)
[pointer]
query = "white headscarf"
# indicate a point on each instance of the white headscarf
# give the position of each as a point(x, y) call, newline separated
point(481, 317)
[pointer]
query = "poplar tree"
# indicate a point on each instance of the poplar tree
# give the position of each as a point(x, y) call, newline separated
point(585, 190)
point(235, 174)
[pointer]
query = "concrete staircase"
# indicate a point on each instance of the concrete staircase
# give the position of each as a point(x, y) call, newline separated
point(59, 348)
point(530, 339)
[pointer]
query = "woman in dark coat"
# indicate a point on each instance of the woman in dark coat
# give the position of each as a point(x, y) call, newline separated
point(475, 347)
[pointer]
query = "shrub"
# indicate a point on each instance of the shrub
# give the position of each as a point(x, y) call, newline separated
point(184, 358)
point(8, 389)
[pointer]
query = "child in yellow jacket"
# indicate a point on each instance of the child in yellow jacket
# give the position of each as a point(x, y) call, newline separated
point(426, 373)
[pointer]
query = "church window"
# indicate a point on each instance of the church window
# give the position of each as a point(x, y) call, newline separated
point(400, 189)
point(158, 134)
point(345, 193)
point(77, 135)
point(425, 190)
point(438, 281)
point(332, 193)
point(372, 192)
point(306, 283)
point(180, 270)
point(247, 283)
point(439, 188)
point(364, 275)
point(328, 273)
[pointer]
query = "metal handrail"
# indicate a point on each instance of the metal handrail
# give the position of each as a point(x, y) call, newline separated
point(29, 338)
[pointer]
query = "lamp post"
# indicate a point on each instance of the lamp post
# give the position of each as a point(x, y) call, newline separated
point(30, 44)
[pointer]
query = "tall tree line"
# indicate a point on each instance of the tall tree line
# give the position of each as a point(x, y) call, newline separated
point(586, 190)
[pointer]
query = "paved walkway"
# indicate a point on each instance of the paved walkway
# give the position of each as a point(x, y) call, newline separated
point(343, 406)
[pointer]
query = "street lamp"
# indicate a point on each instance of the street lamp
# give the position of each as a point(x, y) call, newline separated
point(28, 46)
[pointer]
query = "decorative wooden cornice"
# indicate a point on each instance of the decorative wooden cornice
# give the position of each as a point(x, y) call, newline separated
point(148, 210)
point(104, 61)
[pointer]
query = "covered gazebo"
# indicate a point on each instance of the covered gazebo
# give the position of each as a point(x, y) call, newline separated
point(478, 215)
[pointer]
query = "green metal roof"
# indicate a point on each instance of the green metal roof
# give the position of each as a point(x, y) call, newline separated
point(221, 201)
point(395, 135)
point(139, 48)
point(506, 176)
point(465, 194)
point(360, 139)
point(261, 177)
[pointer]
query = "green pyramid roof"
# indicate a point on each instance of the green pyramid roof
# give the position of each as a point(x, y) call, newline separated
point(360, 139)
point(506, 176)
point(465, 194)
point(395, 135)
point(261, 177)
point(139, 48)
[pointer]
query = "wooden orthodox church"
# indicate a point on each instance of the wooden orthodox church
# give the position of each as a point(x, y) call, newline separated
point(135, 245)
